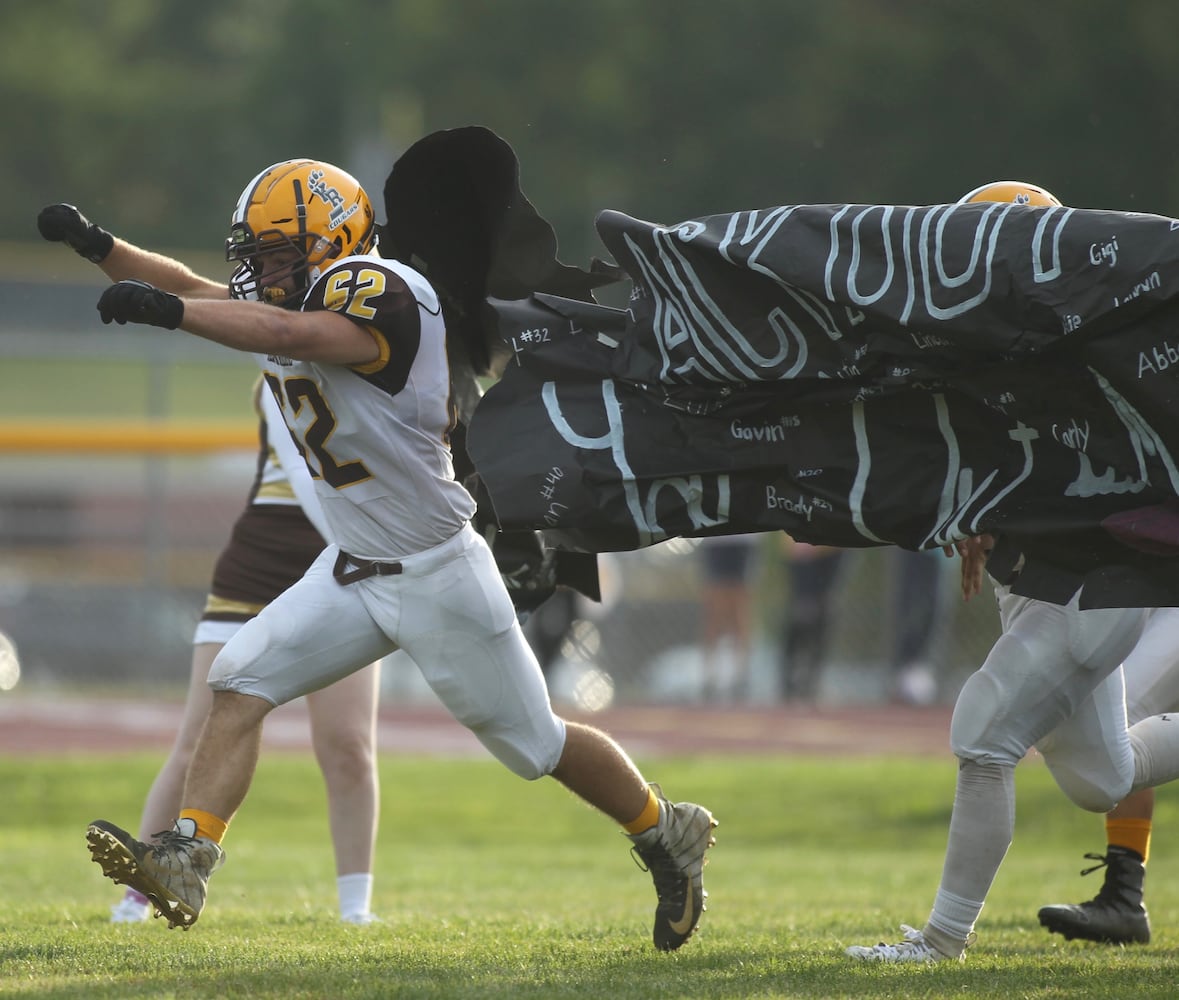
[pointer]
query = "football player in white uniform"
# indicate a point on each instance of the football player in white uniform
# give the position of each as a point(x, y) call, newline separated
point(1053, 681)
point(353, 346)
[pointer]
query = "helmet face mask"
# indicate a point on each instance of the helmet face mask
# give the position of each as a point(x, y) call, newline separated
point(273, 266)
point(291, 222)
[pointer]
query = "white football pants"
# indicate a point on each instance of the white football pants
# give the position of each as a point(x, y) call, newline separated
point(1053, 680)
point(448, 610)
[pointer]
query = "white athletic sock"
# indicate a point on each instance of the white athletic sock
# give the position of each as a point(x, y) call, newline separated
point(981, 827)
point(951, 922)
point(1155, 742)
point(356, 894)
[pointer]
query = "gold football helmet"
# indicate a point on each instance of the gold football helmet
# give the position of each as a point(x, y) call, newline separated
point(319, 211)
point(1015, 192)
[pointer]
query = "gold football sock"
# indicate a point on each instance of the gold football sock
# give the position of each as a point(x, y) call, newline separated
point(207, 825)
point(1132, 834)
point(647, 818)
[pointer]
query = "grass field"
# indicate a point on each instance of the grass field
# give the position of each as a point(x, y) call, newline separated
point(103, 388)
point(491, 887)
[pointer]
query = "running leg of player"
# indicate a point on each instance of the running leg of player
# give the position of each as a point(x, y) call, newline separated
point(1117, 914)
point(1041, 674)
point(457, 623)
point(163, 798)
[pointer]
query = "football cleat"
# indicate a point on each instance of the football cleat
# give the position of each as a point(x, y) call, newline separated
point(672, 851)
point(172, 871)
point(1116, 915)
point(913, 949)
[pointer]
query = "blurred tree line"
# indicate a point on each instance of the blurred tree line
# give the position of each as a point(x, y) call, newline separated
point(153, 114)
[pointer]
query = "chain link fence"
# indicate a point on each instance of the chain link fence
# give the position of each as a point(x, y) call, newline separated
point(107, 561)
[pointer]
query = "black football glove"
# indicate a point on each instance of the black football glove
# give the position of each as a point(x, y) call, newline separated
point(65, 224)
point(134, 301)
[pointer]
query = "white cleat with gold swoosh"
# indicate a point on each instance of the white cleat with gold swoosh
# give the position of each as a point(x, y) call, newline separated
point(673, 851)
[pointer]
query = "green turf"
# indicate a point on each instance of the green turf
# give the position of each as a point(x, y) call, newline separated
point(492, 887)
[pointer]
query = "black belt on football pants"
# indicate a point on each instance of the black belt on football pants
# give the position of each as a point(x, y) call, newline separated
point(364, 569)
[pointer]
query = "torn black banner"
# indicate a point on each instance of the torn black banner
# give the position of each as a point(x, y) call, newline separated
point(854, 375)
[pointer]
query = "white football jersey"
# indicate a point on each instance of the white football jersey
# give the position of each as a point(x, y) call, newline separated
point(376, 436)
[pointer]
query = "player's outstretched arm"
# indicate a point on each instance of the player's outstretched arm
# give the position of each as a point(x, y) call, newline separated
point(119, 259)
point(255, 327)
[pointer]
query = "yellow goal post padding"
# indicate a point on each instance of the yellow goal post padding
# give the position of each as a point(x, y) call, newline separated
point(140, 437)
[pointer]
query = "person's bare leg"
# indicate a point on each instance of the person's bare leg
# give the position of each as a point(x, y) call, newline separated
point(671, 840)
point(597, 769)
point(226, 754)
point(174, 873)
point(344, 735)
point(163, 803)
point(1136, 805)
point(726, 615)
point(742, 619)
